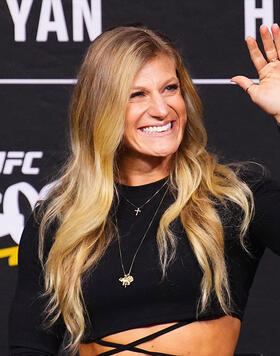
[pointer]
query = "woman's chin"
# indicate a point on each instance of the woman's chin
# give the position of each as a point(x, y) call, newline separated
point(160, 154)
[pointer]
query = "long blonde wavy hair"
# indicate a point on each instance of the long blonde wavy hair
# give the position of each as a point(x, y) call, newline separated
point(81, 200)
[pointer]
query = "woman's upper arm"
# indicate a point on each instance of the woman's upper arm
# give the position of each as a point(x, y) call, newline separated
point(26, 315)
point(265, 226)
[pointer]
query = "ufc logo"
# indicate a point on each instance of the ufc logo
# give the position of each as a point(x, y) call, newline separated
point(11, 159)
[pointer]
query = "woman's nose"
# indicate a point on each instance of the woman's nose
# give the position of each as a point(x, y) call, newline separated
point(158, 107)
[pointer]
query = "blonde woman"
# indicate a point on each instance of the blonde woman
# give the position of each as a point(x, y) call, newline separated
point(147, 244)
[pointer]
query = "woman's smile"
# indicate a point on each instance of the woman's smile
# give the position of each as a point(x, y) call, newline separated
point(158, 130)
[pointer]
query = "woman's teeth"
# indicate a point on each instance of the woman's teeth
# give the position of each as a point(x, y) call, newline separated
point(157, 128)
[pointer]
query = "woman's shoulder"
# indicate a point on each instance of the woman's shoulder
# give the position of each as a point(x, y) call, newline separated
point(30, 237)
point(256, 176)
point(265, 224)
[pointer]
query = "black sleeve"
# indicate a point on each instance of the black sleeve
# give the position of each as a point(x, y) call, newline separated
point(265, 226)
point(27, 335)
point(278, 126)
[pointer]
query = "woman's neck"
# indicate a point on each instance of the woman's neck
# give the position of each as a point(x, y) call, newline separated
point(135, 171)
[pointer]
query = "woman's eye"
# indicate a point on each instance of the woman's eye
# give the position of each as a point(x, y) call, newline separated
point(172, 87)
point(136, 94)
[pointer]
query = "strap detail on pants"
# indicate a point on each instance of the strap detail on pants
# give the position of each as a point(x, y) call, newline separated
point(131, 346)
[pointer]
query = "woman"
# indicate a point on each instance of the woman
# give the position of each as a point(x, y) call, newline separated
point(146, 236)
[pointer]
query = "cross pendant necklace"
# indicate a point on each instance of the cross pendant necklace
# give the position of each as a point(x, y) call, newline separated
point(137, 211)
point(138, 208)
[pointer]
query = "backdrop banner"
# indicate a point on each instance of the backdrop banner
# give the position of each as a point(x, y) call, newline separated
point(42, 44)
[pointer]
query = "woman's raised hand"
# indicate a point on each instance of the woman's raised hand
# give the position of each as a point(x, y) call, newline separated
point(266, 94)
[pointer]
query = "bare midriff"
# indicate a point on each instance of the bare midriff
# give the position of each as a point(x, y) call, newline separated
point(200, 338)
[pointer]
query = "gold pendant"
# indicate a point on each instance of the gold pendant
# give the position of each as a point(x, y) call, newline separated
point(126, 280)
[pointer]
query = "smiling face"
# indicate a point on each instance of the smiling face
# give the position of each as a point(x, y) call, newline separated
point(156, 113)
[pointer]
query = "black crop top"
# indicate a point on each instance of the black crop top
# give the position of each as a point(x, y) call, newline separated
point(149, 299)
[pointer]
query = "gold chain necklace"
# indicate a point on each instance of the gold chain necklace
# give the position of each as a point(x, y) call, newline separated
point(138, 208)
point(127, 278)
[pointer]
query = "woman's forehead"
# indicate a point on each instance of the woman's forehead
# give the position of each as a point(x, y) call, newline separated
point(159, 68)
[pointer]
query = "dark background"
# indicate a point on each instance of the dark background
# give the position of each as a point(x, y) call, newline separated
point(210, 35)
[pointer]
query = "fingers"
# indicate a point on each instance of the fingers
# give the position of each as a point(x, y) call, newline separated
point(255, 54)
point(276, 35)
point(268, 43)
point(271, 46)
point(244, 82)
point(266, 71)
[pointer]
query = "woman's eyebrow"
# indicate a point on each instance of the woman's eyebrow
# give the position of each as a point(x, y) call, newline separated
point(143, 87)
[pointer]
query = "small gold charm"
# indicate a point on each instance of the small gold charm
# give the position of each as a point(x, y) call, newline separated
point(126, 280)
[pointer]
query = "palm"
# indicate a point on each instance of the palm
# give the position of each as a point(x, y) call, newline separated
point(267, 93)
